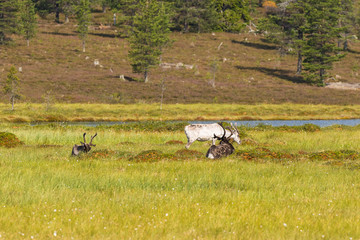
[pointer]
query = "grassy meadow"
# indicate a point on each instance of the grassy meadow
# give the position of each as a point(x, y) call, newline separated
point(281, 183)
point(32, 112)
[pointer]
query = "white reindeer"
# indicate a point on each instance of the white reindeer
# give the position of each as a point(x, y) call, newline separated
point(207, 132)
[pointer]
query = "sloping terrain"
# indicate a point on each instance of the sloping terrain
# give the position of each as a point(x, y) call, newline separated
point(248, 70)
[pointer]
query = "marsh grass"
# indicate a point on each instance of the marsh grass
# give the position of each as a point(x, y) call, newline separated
point(46, 194)
point(180, 112)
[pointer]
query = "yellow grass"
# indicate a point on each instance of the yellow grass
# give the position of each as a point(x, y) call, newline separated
point(140, 112)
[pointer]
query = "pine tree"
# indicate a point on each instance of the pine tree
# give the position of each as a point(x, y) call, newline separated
point(322, 32)
point(233, 14)
point(83, 18)
point(127, 10)
point(11, 86)
point(8, 18)
point(195, 15)
point(149, 36)
point(28, 22)
point(285, 26)
point(67, 7)
point(347, 22)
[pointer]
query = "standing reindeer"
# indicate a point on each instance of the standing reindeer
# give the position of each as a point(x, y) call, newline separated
point(225, 148)
point(84, 147)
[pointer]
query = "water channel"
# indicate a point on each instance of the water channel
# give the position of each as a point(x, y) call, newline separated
point(253, 123)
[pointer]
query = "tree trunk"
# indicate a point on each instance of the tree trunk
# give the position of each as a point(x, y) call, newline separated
point(12, 103)
point(28, 42)
point(146, 76)
point(83, 45)
point(66, 19)
point(322, 75)
point(346, 43)
point(299, 63)
point(57, 12)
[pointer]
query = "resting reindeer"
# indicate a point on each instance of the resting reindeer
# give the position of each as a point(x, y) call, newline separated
point(84, 147)
point(225, 148)
point(206, 132)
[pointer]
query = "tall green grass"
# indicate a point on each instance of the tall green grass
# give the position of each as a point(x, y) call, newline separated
point(46, 194)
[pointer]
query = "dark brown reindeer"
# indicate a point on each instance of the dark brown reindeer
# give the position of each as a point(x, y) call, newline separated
point(84, 147)
point(225, 148)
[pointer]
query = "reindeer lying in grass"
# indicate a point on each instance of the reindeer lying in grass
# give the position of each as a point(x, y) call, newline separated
point(225, 148)
point(84, 147)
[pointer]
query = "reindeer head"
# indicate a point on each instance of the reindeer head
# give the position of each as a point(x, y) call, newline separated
point(87, 146)
point(224, 139)
point(84, 147)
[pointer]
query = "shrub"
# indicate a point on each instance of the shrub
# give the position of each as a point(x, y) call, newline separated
point(269, 4)
point(9, 140)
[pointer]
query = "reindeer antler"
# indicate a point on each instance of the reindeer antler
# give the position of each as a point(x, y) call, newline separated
point(92, 137)
point(223, 129)
point(235, 128)
point(84, 139)
point(231, 132)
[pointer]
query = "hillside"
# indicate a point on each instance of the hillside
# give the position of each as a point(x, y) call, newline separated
point(249, 70)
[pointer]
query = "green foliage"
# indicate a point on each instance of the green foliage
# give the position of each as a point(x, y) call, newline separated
point(9, 140)
point(12, 85)
point(195, 16)
point(150, 34)
point(83, 18)
point(67, 7)
point(28, 21)
point(322, 31)
point(233, 14)
point(312, 28)
point(8, 18)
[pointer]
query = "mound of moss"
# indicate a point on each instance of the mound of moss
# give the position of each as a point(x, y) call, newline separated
point(174, 142)
point(263, 153)
point(188, 154)
point(335, 155)
point(148, 156)
point(9, 140)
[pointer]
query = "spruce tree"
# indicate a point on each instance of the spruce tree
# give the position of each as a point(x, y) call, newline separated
point(233, 14)
point(28, 22)
point(347, 22)
point(11, 86)
point(195, 15)
point(149, 36)
point(8, 18)
point(83, 18)
point(285, 27)
point(322, 32)
point(67, 7)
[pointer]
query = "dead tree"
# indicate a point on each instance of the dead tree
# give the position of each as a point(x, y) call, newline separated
point(84, 147)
